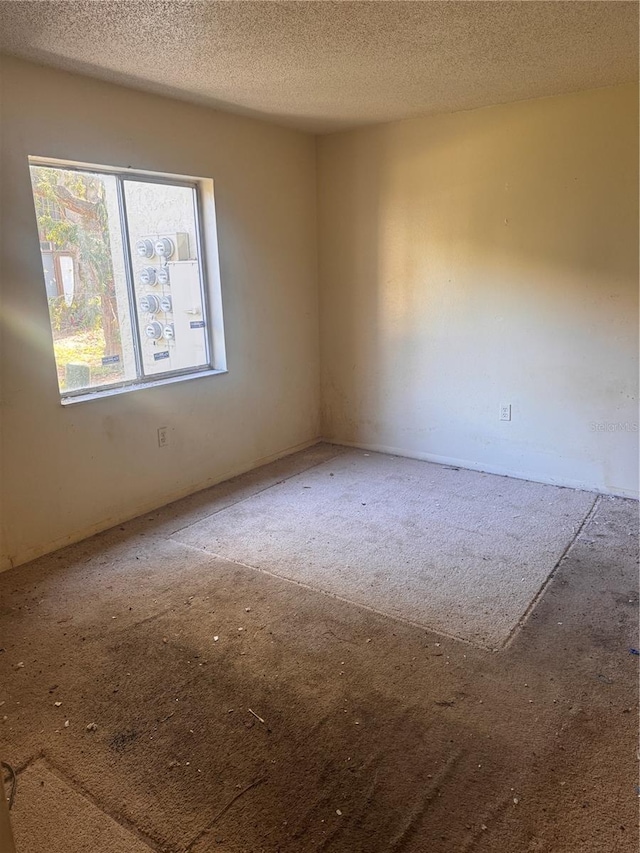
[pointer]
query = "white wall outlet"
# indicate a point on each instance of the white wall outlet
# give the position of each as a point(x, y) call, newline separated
point(505, 411)
point(163, 436)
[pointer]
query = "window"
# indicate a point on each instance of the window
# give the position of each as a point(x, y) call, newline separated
point(122, 255)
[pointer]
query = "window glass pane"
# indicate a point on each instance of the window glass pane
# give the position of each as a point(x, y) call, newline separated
point(83, 262)
point(162, 224)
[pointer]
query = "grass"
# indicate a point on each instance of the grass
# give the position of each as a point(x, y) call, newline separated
point(86, 347)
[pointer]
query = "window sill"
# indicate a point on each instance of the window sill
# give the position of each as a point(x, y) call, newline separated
point(137, 386)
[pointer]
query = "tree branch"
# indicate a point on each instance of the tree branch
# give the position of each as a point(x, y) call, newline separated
point(72, 202)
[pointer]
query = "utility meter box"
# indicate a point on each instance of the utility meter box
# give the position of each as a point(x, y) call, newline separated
point(170, 307)
point(189, 326)
point(164, 247)
point(180, 244)
point(149, 303)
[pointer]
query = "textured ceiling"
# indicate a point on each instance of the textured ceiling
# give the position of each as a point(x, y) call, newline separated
point(323, 66)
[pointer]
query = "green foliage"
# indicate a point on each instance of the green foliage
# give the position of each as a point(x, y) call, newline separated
point(84, 236)
point(86, 347)
point(72, 214)
point(81, 314)
point(62, 234)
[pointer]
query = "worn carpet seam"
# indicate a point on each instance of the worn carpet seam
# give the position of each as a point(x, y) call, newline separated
point(125, 823)
point(337, 597)
point(543, 588)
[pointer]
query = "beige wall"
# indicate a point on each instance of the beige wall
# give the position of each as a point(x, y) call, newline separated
point(67, 472)
point(480, 258)
point(467, 260)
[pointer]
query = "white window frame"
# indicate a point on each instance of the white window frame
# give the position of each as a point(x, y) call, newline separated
point(209, 271)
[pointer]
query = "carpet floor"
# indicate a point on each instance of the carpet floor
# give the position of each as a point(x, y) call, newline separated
point(156, 696)
point(456, 551)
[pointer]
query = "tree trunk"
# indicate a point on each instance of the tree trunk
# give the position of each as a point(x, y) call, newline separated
point(110, 327)
point(109, 310)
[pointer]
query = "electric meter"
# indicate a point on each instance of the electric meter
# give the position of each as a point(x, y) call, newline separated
point(163, 275)
point(165, 304)
point(150, 304)
point(164, 247)
point(168, 332)
point(145, 249)
point(147, 275)
point(153, 331)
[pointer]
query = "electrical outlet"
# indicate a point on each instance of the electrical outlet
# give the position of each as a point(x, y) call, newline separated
point(163, 436)
point(505, 411)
